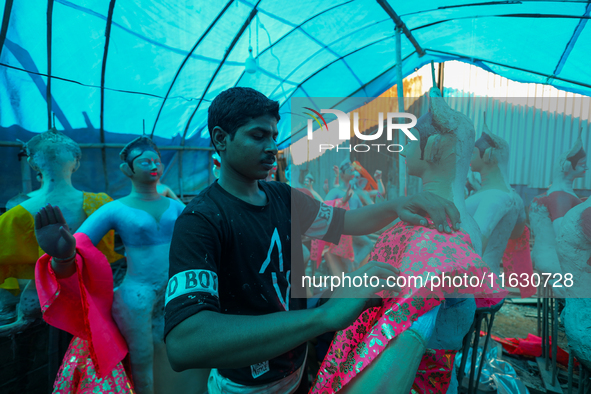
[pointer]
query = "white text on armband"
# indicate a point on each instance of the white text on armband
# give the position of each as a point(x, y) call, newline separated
point(192, 281)
point(320, 226)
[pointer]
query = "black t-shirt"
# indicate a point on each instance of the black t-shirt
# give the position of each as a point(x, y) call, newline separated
point(233, 257)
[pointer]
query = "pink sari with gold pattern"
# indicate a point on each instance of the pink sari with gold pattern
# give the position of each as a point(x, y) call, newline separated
point(418, 252)
point(81, 305)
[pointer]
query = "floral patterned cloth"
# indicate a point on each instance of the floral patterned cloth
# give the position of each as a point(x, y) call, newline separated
point(77, 374)
point(81, 305)
point(434, 373)
point(517, 261)
point(419, 252)
point(343, 249)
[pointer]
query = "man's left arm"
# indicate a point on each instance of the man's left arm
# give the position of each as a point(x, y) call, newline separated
point(411, 209)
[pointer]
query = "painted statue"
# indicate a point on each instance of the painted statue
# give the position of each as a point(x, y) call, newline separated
point(145, 222)
point(347, 181)
point(166, 191)
point(547, 211)
point(573, 245)
point(499, 210)
point(309, 184)
point(411, 340)
point(56, 157)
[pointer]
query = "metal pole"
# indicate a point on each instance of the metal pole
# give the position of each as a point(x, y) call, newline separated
point(109, 145)
point(471, 383)
point(483, 358)
point(554, 340)
point(25, 174)
point(571, 361)
point(539, 305)
point(400, 92)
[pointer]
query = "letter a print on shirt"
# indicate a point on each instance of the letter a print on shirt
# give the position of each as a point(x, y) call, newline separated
point(276, 240)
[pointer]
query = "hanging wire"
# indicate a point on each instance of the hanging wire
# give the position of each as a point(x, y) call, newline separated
point(272, 54)
point(258, 23)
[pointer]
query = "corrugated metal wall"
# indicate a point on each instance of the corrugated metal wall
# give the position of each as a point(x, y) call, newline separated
point(539, 123)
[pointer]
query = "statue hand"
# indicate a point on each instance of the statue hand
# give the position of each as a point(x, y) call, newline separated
point(347, 195)
point(335, 168)
point(377, 175)
point(53, 233)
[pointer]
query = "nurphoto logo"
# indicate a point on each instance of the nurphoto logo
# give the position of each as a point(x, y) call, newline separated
point(344, 127)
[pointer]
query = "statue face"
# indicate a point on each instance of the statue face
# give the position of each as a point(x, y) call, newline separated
point(580, 168)
point(346, 172)
point(147, 167)
point(412, 153)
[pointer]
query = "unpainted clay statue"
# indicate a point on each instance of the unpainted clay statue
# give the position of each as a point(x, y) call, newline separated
point(166, 191)
point(573, 246)
point(546, 211)
point(309, 184)
point(496, 207)
point(145, 222)
point(56, 157)
point(21, 197)
point(390, 349)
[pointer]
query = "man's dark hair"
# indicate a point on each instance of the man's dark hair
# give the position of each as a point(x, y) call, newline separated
point(234, 107)
point(136, 148)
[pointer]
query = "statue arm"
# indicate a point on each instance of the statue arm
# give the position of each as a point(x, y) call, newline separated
point(171, 194)
point(100, 223)
point(333, 194)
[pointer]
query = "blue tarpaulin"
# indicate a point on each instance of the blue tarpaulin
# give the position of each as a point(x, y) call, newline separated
point(166, 60)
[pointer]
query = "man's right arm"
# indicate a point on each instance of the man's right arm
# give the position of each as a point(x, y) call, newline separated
point(210, 339)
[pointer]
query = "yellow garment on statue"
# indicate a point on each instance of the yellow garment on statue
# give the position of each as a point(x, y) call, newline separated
point(92, 202)
point(20, 250)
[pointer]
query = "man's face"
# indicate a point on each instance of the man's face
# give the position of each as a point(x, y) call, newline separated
point(147, 167)
point(252, 152)
point(476, 162)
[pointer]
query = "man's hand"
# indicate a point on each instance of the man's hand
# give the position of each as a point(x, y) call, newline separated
point(53, 233)
point(412, 208)
point(348, 301)
point(377, 175)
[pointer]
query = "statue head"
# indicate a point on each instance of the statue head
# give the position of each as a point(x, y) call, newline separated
point(346, 170)
point(490, 151)
point(572, 164)
point(141, 160)
point(53, 151)
point(445, 142)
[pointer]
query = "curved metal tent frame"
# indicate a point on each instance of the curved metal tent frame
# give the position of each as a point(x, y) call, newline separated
point(164, 63)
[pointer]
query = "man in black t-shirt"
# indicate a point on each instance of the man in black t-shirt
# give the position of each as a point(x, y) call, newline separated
point(228, 303)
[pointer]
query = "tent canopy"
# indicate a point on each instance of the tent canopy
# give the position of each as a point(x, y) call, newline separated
point(117, 64)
